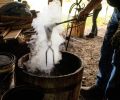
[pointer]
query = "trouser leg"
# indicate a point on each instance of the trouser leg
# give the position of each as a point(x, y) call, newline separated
point(105, 65)
point(94, 21)
point(113, 86)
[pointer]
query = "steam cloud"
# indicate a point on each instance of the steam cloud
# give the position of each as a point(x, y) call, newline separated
point(39, 42)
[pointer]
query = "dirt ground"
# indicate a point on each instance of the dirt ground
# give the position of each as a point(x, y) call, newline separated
point(88, 50)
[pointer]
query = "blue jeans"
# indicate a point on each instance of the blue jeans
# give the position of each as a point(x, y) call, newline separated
point(108, 64)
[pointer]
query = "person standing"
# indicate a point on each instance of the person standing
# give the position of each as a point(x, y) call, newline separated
point(108, 79)
point(94, 30)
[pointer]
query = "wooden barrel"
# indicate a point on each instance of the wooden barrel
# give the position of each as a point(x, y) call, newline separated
point(23, 93)
point(63, 84)
point(7, 65)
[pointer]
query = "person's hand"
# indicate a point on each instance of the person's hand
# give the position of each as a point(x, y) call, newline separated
point(82, 15)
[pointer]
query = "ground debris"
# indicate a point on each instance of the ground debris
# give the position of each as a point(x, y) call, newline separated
point(89, 52)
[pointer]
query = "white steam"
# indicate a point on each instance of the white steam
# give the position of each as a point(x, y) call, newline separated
point(39, 42)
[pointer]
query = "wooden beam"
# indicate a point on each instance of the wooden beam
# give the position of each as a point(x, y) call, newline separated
point(4, 33)
point(13, 34)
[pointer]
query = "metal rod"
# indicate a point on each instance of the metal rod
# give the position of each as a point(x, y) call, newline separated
point(69, 37)
point(66, 21)
point(89, 15)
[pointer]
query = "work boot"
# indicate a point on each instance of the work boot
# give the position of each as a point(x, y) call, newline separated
point(90, 35)
point(92, 93)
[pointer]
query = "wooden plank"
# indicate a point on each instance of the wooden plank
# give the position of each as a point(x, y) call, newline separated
point(5, 32)
point(6, 1)
point(13, 34)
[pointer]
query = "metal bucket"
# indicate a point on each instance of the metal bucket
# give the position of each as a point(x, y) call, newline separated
point(23, 93)
point(63, 84)
point(7, 65)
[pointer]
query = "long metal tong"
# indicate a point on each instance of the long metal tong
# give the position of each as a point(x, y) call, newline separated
point(48, 30)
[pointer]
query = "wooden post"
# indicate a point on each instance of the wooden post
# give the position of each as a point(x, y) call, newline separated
point(78, 29)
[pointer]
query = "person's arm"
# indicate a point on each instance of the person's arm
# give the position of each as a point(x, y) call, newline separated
point(91, 5)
